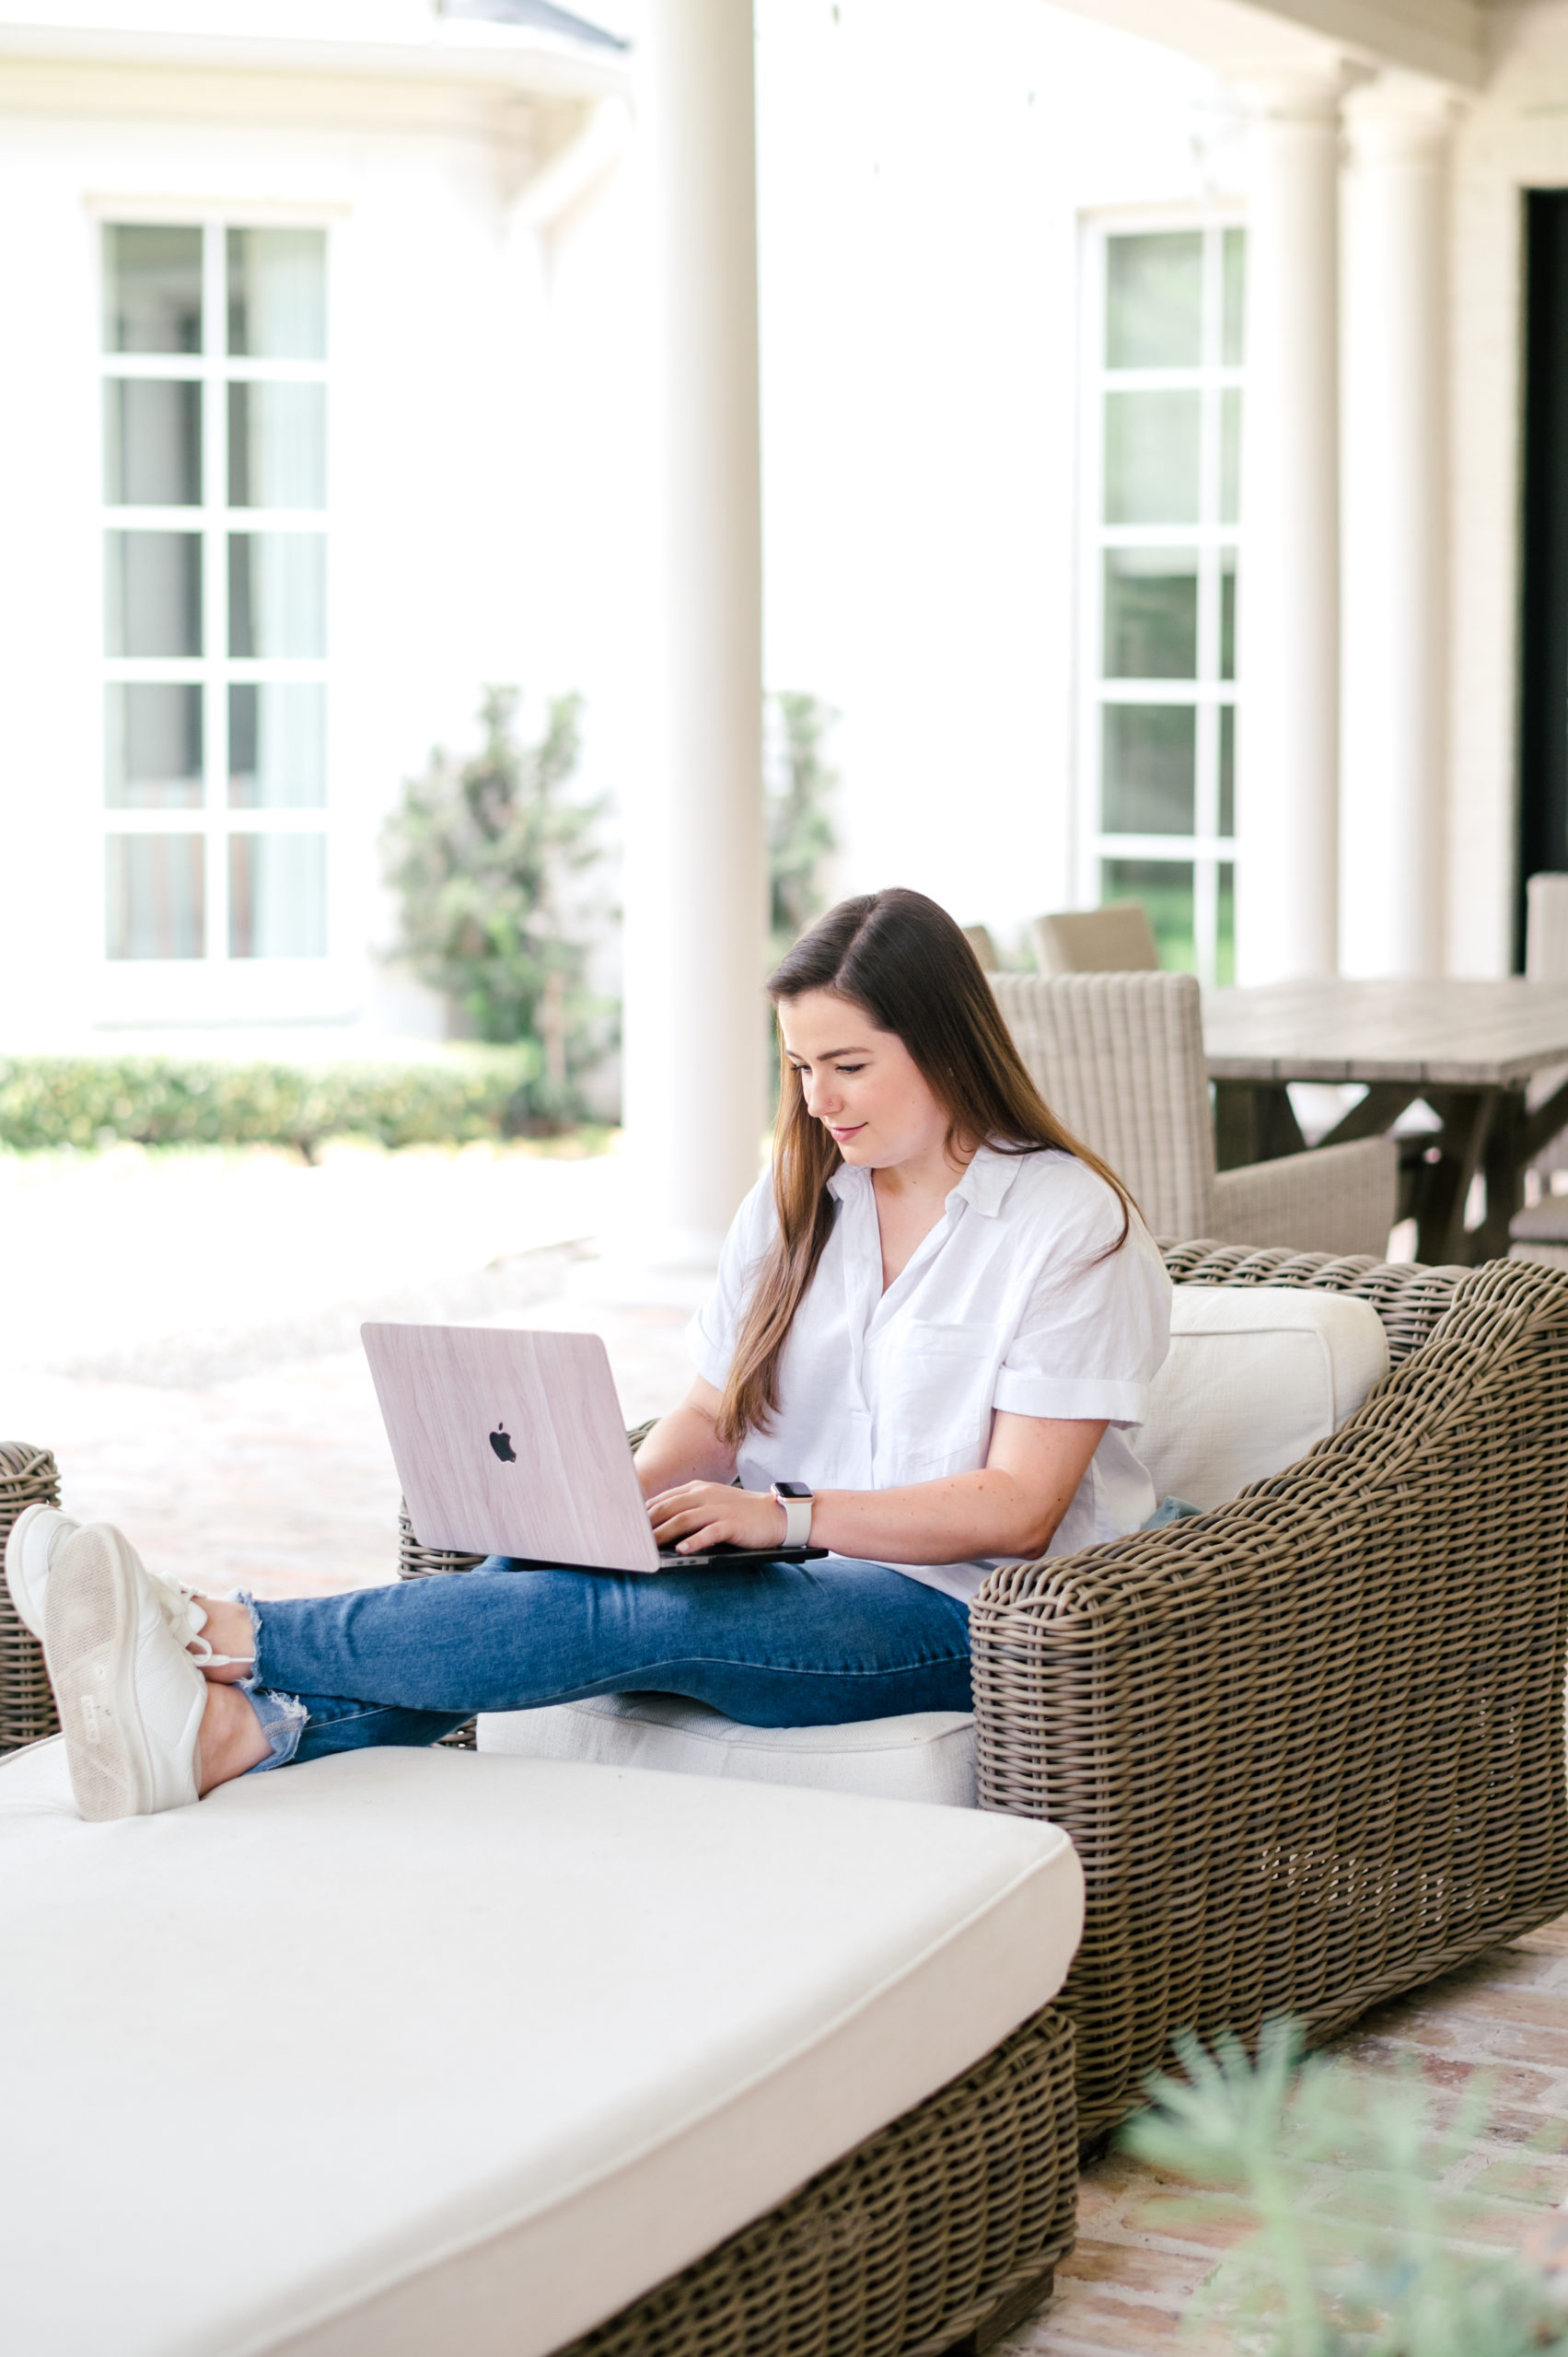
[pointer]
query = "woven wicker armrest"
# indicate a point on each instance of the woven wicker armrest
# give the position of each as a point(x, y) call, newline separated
point(1310, 1744)
point(1337, 1199)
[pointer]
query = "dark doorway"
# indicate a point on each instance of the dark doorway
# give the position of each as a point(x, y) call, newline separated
point(1543, 651)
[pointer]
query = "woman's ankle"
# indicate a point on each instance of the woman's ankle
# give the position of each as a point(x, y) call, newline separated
point(227, 1629)
point(231, 1740)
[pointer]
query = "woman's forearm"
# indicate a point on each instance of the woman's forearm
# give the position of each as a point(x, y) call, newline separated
point(988, 1513)
point(1011, 1506)
point(684, 1447)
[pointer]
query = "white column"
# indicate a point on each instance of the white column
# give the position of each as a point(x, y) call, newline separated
point(695, 891)
point(1288, 631)
point(1395, 525)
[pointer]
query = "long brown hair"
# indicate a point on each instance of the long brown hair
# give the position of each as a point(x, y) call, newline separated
point(905, 964)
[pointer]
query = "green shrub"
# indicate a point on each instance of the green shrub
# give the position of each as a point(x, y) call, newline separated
point(482, 854)
point(801, 836)
point(1370, 2263)
point(159, 1100)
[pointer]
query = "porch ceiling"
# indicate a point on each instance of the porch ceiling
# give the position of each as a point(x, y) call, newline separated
point(1444, 38)
point(403, 38)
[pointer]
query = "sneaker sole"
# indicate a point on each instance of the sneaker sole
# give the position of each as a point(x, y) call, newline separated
point(90, 1652)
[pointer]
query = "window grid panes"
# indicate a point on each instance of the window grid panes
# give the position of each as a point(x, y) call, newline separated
point(215, 568)
point(1162, 501)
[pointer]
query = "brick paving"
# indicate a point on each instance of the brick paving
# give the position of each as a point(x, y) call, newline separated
point(182, 1333)
point(1141, 2255)
point(280, 1479)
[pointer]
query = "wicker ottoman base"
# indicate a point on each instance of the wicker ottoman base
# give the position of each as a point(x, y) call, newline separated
point(937, 2235)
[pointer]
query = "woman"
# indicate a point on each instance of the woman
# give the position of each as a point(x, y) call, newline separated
point(939, 1312)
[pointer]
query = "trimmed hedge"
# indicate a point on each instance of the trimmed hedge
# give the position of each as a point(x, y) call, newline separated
point(165, 1100)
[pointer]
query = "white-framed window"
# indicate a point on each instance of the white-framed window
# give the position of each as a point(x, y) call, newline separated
point(214, 553)
point(1162, 443)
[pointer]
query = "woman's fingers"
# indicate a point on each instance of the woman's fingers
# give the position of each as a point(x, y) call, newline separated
point(703, 1526)
point(676, 1526)
point(700, 1540)
point(711, 1514)
point(695, 1498)
point(690, 1540)
point(675, 1519)
point(716, 1513)
point(686, 1494)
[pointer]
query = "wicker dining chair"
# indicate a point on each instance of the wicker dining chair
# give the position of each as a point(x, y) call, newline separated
point(1116, 939)
point(979, 937)
point(1120, 1057)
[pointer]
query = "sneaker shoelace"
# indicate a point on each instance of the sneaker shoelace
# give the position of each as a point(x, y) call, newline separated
point(186, 1620)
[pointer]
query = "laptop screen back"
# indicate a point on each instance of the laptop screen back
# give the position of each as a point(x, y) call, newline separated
point(510, 1443)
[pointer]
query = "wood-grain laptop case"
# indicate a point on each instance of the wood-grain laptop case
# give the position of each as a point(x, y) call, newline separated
point(510, 1442)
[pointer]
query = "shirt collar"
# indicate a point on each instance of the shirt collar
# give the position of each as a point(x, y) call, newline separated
point(845, 1178)
point(985, 1183)
point(983, 1186)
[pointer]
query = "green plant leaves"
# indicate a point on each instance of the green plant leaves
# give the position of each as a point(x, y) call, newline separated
point(1358, 2244)
point(157, 1101)
point(481, 854)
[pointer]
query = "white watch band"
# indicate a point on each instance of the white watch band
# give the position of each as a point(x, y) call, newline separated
point(797, 1521)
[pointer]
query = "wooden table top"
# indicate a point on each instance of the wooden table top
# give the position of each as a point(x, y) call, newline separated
point(1474, 1035)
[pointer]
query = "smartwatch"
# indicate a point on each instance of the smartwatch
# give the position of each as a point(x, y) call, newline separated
point(795, 1499)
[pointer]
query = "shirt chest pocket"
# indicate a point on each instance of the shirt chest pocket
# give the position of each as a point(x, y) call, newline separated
point(938, 1389)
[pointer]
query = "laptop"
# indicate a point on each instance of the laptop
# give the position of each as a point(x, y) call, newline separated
point(511, 1443)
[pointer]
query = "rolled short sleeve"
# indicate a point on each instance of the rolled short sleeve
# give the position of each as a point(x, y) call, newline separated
point(1097, 1326)
point(712, 1334)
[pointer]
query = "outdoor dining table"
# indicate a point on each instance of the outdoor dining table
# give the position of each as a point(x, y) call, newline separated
point(1468, 1051)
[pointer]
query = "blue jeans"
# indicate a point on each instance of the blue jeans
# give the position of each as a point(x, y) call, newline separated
point(775, 1645)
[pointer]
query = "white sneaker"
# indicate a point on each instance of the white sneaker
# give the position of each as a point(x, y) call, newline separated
point(37, 1535)
point(130, 1697)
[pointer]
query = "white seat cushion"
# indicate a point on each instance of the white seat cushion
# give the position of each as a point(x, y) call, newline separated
point(415, 2050)
point(928, 1756)
point(1257, 1375)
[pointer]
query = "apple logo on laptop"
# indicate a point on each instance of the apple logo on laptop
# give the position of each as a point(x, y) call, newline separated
point(501, 1445)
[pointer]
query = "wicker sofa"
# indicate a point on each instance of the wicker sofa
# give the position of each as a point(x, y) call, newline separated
point(1309, 1744)
point(1309, 1748)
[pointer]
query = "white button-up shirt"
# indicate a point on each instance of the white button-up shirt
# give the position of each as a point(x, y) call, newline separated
point(1012, 1302)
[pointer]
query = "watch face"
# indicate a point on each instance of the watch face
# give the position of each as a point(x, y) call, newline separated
point(792, 1490)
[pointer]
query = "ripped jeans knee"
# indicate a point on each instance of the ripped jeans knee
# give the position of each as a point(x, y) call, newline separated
point(282, 1717)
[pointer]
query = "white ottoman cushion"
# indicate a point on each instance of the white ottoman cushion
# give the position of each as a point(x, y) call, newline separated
point(1257, 1375)
point(927, 1756)
point(415, 2050)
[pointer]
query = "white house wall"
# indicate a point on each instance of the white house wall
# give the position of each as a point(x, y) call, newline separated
point(921, 204)
point(1515, 138)
point(435, 338)
point(921, 197)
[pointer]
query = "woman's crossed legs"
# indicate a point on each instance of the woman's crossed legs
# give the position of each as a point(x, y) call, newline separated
point(777, 1645)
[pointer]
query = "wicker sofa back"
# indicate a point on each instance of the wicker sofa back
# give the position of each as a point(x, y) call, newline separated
point(29, 1477)
point(1310, 1744)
